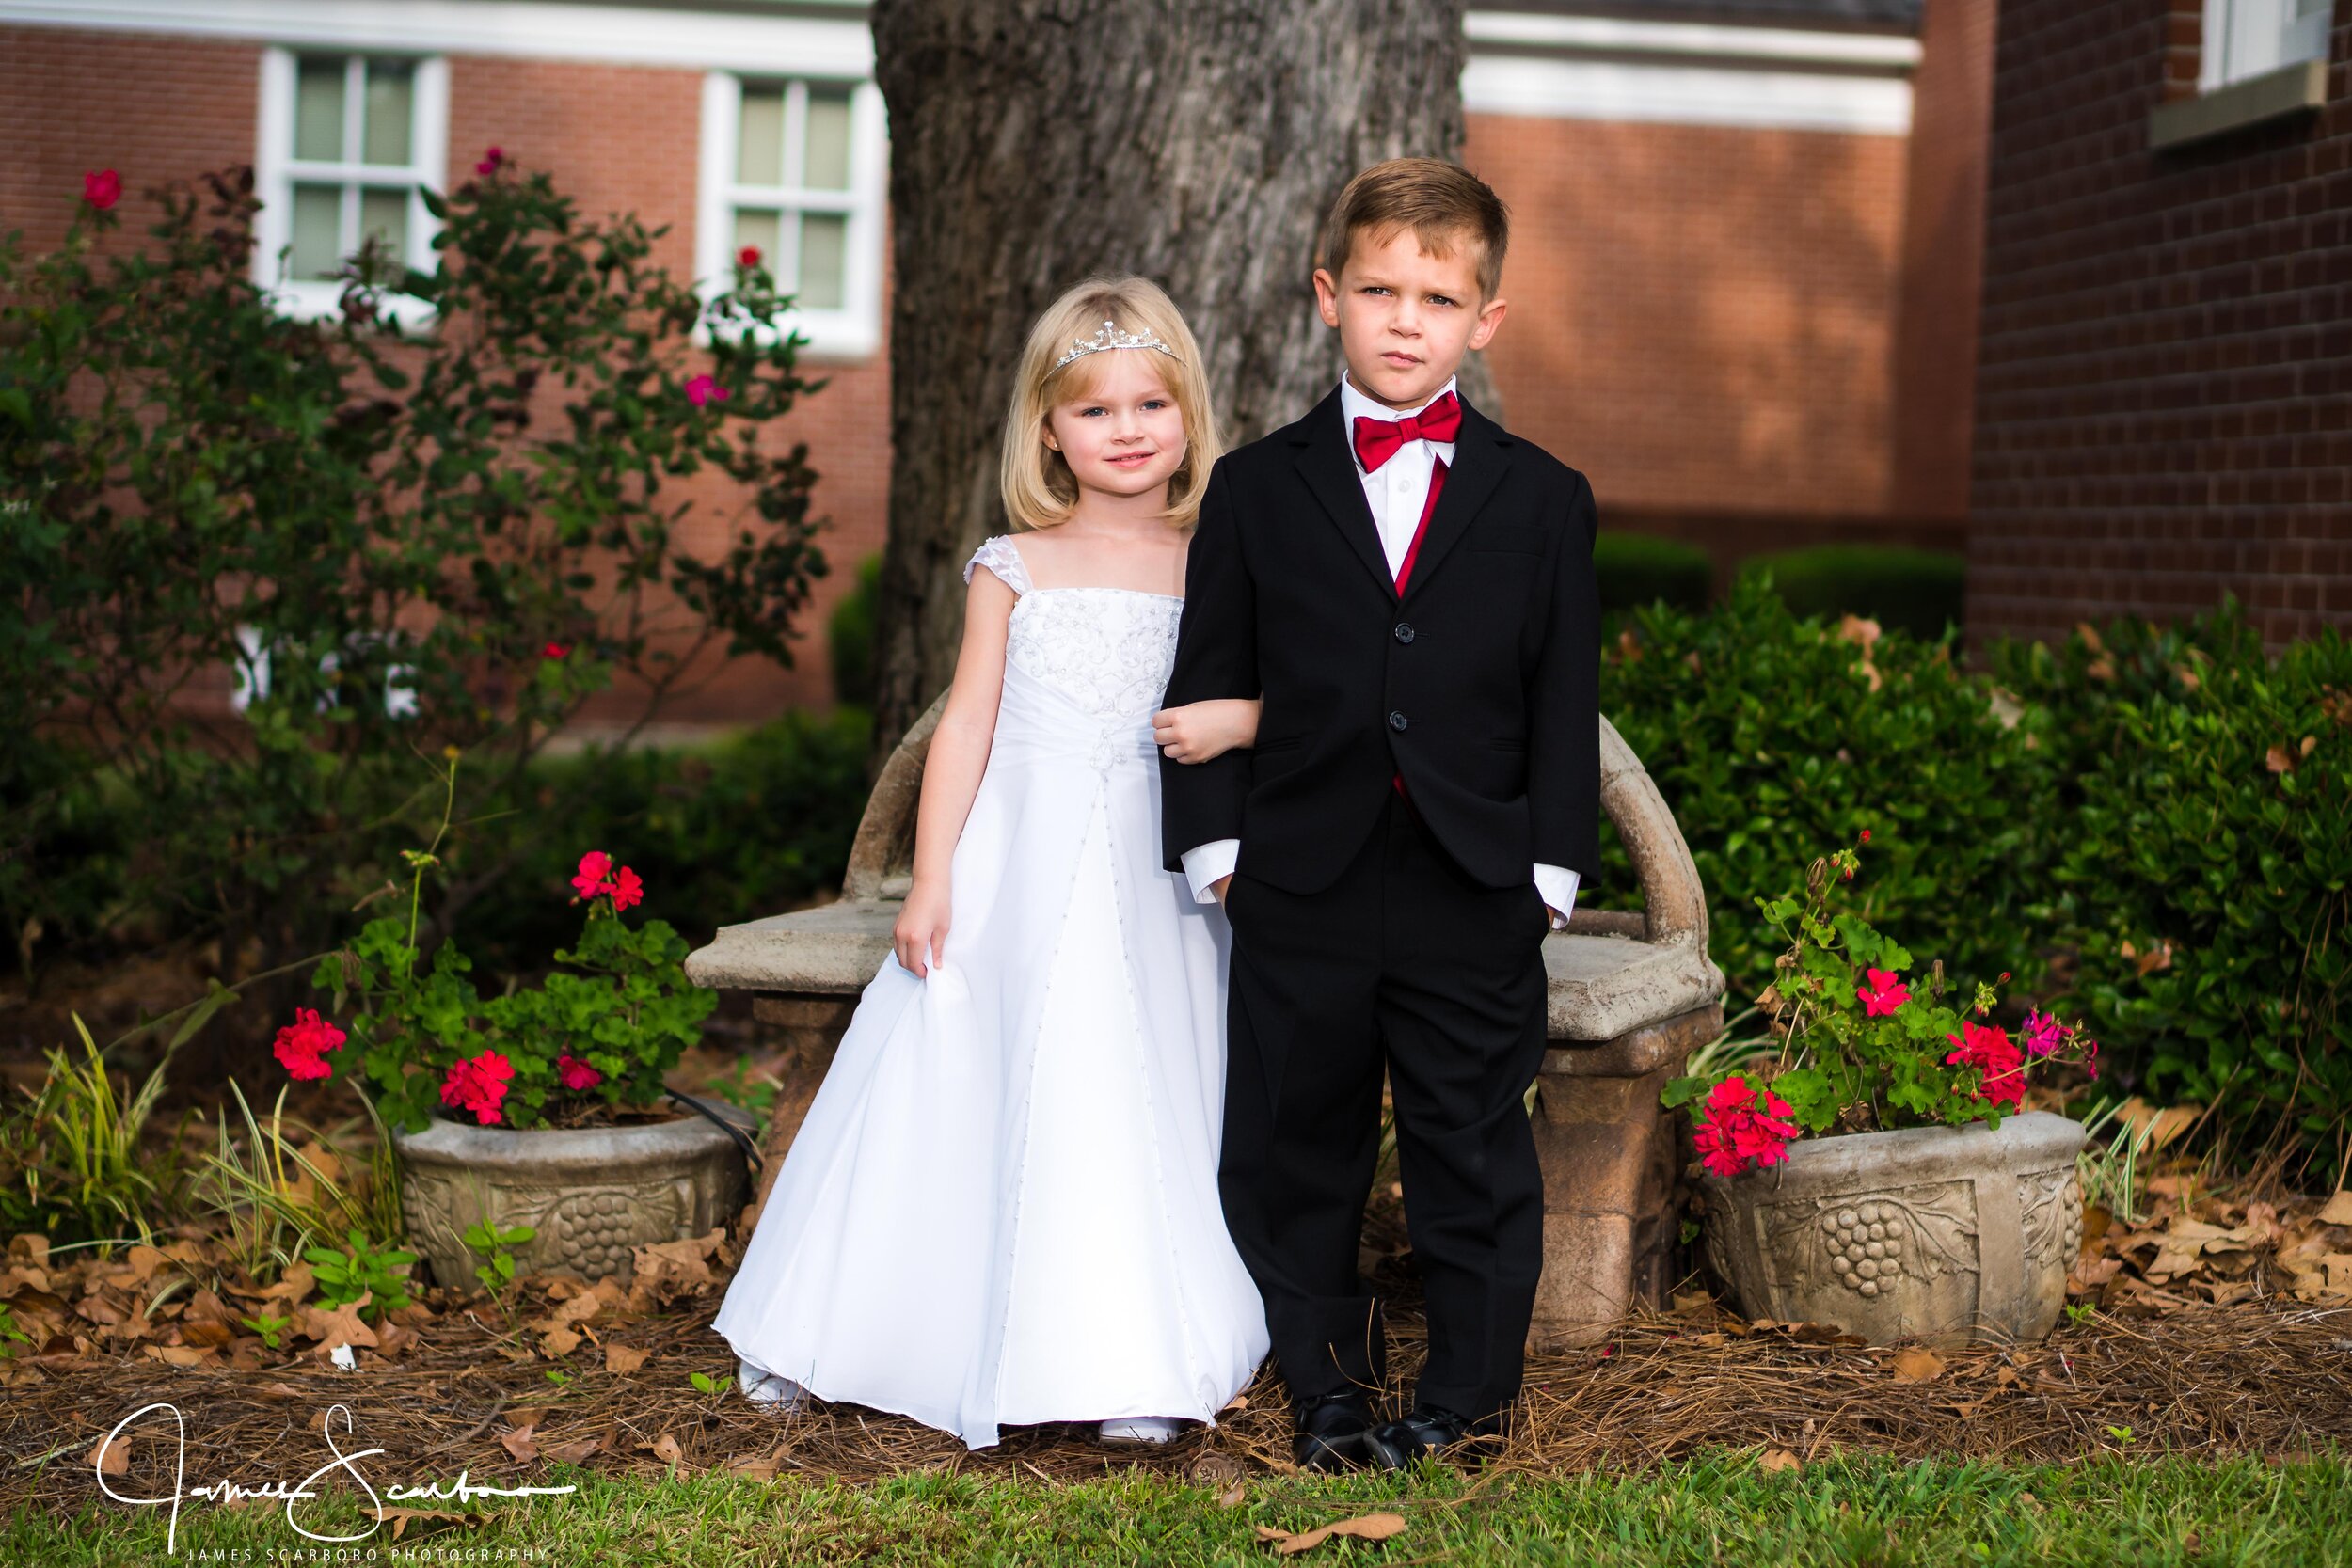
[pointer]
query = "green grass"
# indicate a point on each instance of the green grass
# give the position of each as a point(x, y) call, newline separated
point(2150, 1510)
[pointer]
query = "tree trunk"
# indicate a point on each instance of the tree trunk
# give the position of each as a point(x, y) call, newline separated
point(1036, 142)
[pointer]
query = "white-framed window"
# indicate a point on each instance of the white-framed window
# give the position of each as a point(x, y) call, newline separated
point(2252, 37)
point(348, 143)
point(794, 167)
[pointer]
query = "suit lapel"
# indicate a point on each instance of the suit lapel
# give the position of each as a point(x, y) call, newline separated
point(1329, 470)
point(1482, 454)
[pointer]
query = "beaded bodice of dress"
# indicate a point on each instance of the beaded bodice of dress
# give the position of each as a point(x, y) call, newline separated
point(1108, 650)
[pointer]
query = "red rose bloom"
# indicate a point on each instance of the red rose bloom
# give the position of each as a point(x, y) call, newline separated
point(704, 389)
point(302, 1045)
point(747, 256)
point(103, 189)
point(478, 1085)
point(1991, 1053)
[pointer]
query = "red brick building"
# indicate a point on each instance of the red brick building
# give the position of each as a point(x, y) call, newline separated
point(2164, 398)
point(1743, 285)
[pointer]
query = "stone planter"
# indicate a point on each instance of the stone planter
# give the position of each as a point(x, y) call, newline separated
point(1933, 1233)
point(591, 1194)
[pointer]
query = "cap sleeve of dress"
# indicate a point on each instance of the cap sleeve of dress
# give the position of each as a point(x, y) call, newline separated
point(998, 555)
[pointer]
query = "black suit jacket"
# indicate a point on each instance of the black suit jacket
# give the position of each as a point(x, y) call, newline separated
point(1481, 685)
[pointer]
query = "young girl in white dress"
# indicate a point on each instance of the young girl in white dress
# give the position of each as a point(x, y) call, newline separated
point(1002, 1208)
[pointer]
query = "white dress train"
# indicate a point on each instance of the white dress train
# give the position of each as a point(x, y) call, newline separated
point(1002, 1208)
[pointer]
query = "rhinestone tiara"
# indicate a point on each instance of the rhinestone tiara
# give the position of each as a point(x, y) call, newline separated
point(1110, 337)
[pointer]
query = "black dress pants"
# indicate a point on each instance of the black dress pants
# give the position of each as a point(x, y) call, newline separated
point(1408, 965)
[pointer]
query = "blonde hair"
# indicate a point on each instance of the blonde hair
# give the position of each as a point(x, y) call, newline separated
point(1039, 488)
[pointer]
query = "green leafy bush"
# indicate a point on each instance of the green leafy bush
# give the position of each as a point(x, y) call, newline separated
point(1768, 735)
point(850, 637)
point(1635, 570)
point(389, 542)
point(2203, 865)
point(1920, 592)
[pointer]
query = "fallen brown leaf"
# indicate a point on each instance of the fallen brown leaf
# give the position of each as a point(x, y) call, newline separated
point(623, 1359)
point(2339, 1209)
point(1365, 1527)
point(665, 1448)
point(1917, 1364)
point(110, 1455)
point(1776, 1460)
point(522, 1442)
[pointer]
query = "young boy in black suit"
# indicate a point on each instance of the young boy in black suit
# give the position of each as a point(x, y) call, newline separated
point(1410, 589)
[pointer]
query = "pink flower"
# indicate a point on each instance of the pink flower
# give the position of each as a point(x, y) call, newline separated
point(747, 256)
point(103, 189)
point(478, 1085)
point(2045, 1034)
point(626, 890)
point(1988, 1050)
point(1884, 994)
point(590, 879)
point(490, 161)
point(575, 1073)
point(1743, 1128)
point(702, 389)
point(555, 650)
point(302, 1045)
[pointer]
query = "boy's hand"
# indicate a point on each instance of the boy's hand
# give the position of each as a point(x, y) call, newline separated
point(1219, 886)
point(1197, 732)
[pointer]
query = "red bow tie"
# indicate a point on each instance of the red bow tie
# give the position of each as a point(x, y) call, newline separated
point(1376, 440)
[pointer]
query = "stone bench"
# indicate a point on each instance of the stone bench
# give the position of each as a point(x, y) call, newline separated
point(1632, 993)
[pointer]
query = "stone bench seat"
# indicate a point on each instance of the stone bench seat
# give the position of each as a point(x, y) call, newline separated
point(1632, 994)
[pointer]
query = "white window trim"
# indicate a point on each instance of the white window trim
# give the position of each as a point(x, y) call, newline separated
point(274, 168)
point(854, 330)
point(2247, 39)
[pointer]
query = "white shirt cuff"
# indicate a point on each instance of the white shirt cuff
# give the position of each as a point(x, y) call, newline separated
point(1557, 884)
point(1205, 864)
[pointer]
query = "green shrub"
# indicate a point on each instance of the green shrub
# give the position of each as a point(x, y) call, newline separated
point(742, 828)
point(1636, 570)
point(1769, 735)
point(1918, 592)
point(2203, 865)
point(393, 543)
point(850, 637)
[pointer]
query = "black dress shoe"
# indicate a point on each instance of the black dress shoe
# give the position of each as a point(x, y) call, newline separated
point(1401, 1444)
point(1331, 1433)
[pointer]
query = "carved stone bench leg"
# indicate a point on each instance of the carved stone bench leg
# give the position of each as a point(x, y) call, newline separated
point(1608, 1158)
point(811, 1026)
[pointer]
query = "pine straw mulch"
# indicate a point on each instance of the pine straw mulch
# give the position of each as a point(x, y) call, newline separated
point(465, 1391)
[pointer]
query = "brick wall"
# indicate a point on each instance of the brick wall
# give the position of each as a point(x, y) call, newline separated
point(2164, 392)
point(1702, 319)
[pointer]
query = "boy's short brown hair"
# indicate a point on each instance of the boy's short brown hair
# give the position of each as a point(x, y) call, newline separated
point(1439, 201)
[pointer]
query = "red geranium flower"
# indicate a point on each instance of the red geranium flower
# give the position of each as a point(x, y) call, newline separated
point(302, 1045)
point(590, 879)
point(478, 1085)
point(575, 1073)
point(1991, 1053)
point(1884, 994)
point(555, 650)
point(626, 890)
point(747, 256)
point(1743, 1128)
point(703, 388)
point(103, 189)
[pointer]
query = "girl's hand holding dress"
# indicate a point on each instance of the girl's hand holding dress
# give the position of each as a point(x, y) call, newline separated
point(920, 937)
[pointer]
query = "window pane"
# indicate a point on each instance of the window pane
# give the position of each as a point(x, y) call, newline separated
point(318, 241)
point(385, 214)
point(319, 110)
point(826, 159)
point(386, 136)
point(762, 231)
point(759, 137)
point(824, 250)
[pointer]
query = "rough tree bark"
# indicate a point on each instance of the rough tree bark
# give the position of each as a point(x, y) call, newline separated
point(1035, 142)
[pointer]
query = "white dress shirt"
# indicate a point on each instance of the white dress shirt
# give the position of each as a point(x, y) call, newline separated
point(1396, 493)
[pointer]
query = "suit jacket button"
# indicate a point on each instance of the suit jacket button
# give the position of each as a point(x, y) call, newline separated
point(1396, 720)
point(1403, 632)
